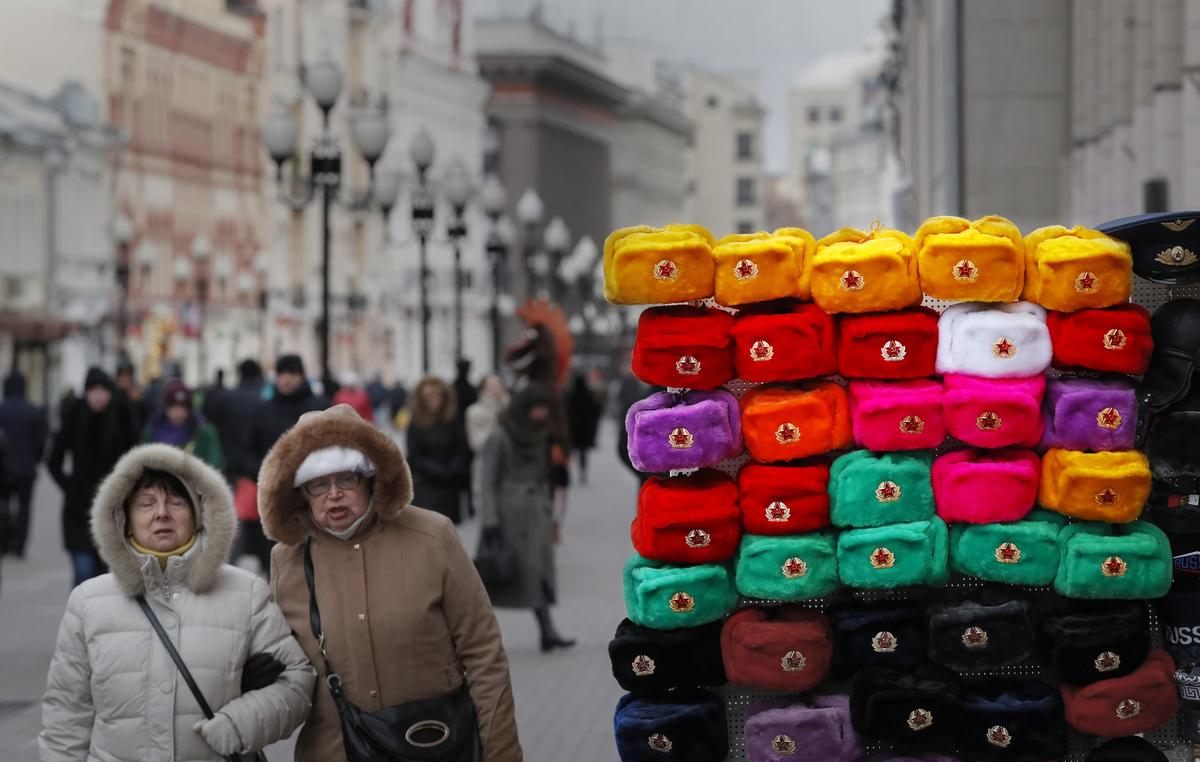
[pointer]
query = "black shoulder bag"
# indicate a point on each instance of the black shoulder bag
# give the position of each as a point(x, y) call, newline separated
point(187, 676)
point(440, 729)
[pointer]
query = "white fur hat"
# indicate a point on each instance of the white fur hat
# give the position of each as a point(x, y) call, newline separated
point(994, 340)
point(332, 460)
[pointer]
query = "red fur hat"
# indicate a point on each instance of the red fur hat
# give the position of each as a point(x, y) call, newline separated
point(901, 344)
point(783, 499)
point(1115, 339)
point(687, 519)
point(784, 342)
point(783, 649)
point(683, 346)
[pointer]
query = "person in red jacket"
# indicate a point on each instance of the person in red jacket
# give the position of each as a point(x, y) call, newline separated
point(353, 393)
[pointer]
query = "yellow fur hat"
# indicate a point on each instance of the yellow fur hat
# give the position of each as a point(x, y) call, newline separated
point(1097, 486)
point(981, 261)
point(644, 265)
point(1068, 269)
point(759, 267)
point(857, 271)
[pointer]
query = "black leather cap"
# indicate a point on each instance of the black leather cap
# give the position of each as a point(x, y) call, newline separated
point(1131, 749)
point(1175, 327)
point(1165, 246)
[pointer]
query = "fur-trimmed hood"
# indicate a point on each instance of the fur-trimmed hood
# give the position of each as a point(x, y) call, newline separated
point(283, 510)
point(215, 518)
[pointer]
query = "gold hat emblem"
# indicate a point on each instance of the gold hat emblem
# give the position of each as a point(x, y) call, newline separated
point(1008, 553)
point(887, 492)
point(1107, 496)
point(778, 512)
point(665, 269)
point(1114, 339)
point(1004, 348)
point(698, 538)
point(882, 558)
point(1176, 256)
point(884, 642)
point(911, 424)
point(761, 351)
point(1114, 566)
point(1107, 661)
point(680, 438)
point(966, 271)
point(1086, 282)
point(794, 568)
point(1109, 418)
point(787, 433)
point(687, 366)
point(1128, 709)
point(643, 666)
point(659, 742)
point(852, 280)
point(919, 719)
point(974, 637)
point(1177, 226)
point(893, 351)
point(782, 744)
point(793, 661)
point(988, 421)
point(745, 269)
point(681, 603)
point(999, 736)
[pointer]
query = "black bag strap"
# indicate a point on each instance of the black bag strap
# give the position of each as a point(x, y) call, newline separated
point(332, 679)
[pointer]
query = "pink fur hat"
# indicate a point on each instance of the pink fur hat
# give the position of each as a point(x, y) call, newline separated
point(897, 415)
point(981, 487)
point(994, 412)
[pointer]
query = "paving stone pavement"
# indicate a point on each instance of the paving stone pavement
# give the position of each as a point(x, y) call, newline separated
point(564, 700)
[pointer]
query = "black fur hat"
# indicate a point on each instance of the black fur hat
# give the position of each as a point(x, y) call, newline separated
point(883, 635)
point(1096, 640)
point(915, 711)
point(1005, 720)
point(1131, 749)
point(645, 660)
point(988, 629)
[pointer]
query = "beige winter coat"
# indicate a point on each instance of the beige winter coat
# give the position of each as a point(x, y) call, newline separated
point(404, 613)
point(113, 692)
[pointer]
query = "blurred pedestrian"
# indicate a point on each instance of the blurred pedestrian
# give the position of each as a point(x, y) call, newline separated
point(231, 415)
point(142, 402)
point(164, 522)
point(437, 449)
point(96, 431)
point(397, 402)
point(583, 420)
point(629, 391)
point(353, 394)
point(482, 419)
point(465, 392)
point(377, 393)
point(516, 504)
point(178, 425)
point(25, 428)
point(336, 495)
point(291, 396)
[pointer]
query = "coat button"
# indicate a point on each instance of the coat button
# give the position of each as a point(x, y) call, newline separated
point(175, 596)
point(373, 693)
point(358, 546)
point(362, 617)
point(165, 687)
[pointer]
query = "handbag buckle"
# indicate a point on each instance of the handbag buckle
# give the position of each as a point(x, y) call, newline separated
point(441, 727)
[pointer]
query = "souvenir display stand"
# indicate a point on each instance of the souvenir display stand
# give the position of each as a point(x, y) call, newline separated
point(752, 252)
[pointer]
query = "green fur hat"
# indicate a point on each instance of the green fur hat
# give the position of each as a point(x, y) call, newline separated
point(1021, 552)
point(895, 555)
point(1098, 560)
point(788, 567)
point(667, 596)
point(868, 489)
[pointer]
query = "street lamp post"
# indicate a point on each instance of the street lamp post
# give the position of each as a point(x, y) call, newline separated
point(458, 193)
point(493, 199)
point(556, 239)
point(370, 131)
point(201, 251)
point(421, 151)
point(122, 233)
point(529, 214)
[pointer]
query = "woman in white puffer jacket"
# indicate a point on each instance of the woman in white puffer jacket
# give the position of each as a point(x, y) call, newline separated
point(163, 521)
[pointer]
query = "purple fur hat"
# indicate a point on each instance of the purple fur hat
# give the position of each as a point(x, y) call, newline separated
point(1082, 414)
point(782, 730)
point(690, 430)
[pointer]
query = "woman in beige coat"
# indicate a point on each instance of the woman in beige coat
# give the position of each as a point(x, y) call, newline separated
point(404, 614)
point(163, 521)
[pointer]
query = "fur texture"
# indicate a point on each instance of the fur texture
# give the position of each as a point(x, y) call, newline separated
point(1083, 414)
point(820, 730)
point(1100, 486)
point(284, 512)
point(1030, 713)
point(651, 589)
point(784, 423)
point(884, 701)
point(881, 635)
point(711, 430)
point(897, 415)
point(869, 489)
point(215, 519)
point(1097, 708)
point(955, 640)
point(994, 412)
point(1058, 260)
point(784, 342)
point(643, 265)
point(763, 569)
point(683, 347)
point(982, 260)
point(645, 660)
point(888, 345)
point(1092, 641)
point(1085, 339)
point(758, 270)
point(865, 271)
point(689, 722)
point(996, 341)
point(985, 486)
point(757, 645)
point(1085, 553)
point(918, 555)
point(783, 499)
point(687, 520)
point(983, 550)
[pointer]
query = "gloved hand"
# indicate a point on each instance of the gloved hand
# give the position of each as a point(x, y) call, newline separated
point(261, 669)
point(220, 734)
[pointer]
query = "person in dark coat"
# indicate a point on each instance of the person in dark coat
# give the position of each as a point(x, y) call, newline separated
point(292, 398)
point(515, 494)
point(583, 421)
point(230, 413)
point(438, 454)
point(25, 428)
point(465, 393)
point(96, 431)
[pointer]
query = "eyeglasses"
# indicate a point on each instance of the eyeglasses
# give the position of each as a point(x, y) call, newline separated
point(345, 481)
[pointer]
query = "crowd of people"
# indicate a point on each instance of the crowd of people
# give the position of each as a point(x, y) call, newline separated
point(165, 489)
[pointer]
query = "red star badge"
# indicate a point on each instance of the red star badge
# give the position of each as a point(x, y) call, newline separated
point(782, 744)
point(1109, 418)
point(665, 269)
point(794, 568)
point(887, 492)
point(682, 603)
point(919, 719)
point(1107, 661)
point(974, 637)
point(882, 558)
point(911, 424)
point(787, 433)
point(1107, 496)
point(687, 366)
point(884, 643)
point(660, 742)
point(680, 438)
point(852, 280)
point(744, 269)
point(893, 351)
point(1114, 339)
point(1004, 348)
point(643, 666)
point(793, 661)
point(988, 421)
point(1114, 566)
point(698, 538)
point(761, 351)
point(965, 270)
point(1128, 709)
point(1086, 281)
point(1008, 553)
point(999, 736)
point(778, 512)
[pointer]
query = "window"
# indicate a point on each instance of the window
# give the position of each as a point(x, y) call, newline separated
point(814, 114)
point(745, 227)
point(745, 191)
point(1154, 195)
point(835, 114)
point(712, 101)
point(493, 141)
point(745, 145)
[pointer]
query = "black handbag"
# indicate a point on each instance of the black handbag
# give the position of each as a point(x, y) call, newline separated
point(495, 560)
point(187, 676)
point(440, 729)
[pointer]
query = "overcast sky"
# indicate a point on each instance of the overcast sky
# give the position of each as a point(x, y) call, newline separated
point(776, 37)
